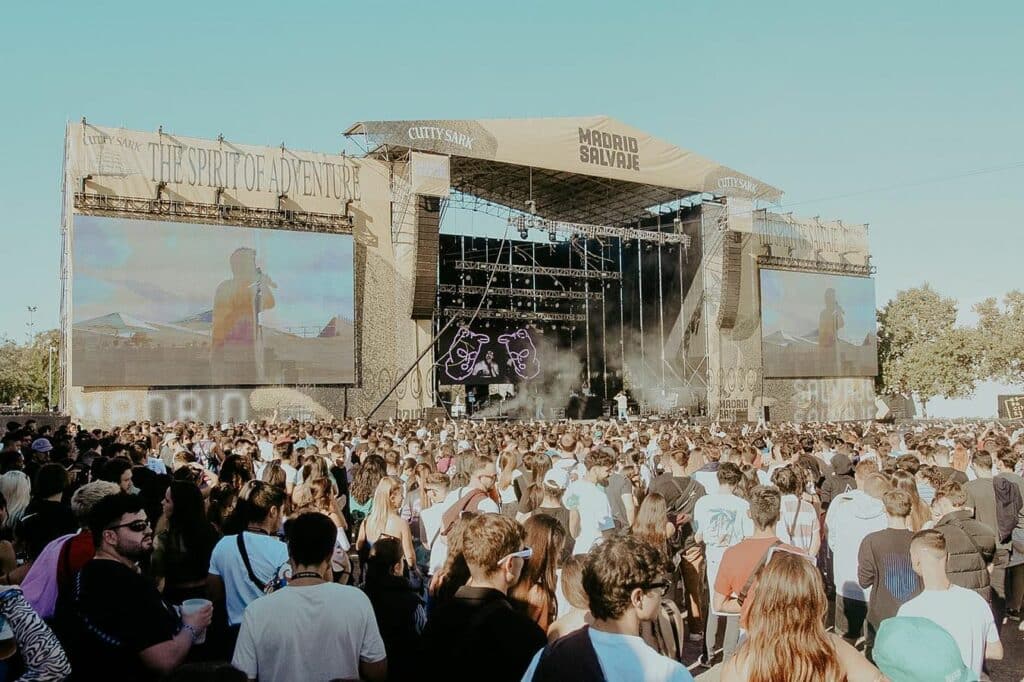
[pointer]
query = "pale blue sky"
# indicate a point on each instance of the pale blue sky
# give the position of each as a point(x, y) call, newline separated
point(820, 99)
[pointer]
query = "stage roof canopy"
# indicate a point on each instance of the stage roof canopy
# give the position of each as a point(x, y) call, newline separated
point(591, 169)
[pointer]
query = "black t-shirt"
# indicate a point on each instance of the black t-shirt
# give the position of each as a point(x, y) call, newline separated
point(478, 635)
point(45, 520)
point(110, 615)
point(681, 494)
point(618, 485)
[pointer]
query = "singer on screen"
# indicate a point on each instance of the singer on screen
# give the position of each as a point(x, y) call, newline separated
point(237, 336)
point(830, 321)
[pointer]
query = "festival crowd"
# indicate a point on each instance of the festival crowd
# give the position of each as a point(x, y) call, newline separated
point(509, 550)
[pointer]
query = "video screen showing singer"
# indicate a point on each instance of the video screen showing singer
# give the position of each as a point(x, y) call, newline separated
point(237, 350)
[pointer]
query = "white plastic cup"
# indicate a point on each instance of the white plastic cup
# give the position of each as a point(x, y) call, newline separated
point(190, 606)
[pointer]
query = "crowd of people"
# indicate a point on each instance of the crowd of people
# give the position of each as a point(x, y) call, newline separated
point(511, 550)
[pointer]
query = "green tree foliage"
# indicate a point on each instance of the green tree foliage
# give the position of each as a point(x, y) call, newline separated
point(1001, 332)
point(23, 368)
point(921, 350)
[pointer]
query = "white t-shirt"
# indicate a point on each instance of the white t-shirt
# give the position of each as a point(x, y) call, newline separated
point(439, 552)
point(315, 632)
point(594, 509)
point(723, 521)
point(430, 522)
point(621, 401)
point(267, 555)
point(627, 658)
point(291, 474)
point(708, 479)
point(963, 614)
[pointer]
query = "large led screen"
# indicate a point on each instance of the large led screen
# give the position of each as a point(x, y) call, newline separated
point(816, 325)
point(485, 354)
point(182, 304)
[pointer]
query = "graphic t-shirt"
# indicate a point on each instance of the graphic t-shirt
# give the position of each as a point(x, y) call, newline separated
point(722, 519)
point(883, 564)
point(595, 513)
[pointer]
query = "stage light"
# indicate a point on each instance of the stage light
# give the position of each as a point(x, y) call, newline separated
point(524, 233)
point(552, 236)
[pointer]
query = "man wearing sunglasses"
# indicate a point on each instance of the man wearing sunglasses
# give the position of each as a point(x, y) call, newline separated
point(478, 634)
point(624, 581)
point(114, 622)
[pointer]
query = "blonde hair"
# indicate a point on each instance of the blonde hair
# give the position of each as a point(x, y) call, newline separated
point(651, 522)
point(786, 637)
point(382, 508)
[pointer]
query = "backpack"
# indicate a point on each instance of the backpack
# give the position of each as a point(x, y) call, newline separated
point(681, 510)
point(666, 634)
point(468, 502)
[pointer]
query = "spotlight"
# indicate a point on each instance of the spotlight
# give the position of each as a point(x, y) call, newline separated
point(524, 233)
point(552, 236)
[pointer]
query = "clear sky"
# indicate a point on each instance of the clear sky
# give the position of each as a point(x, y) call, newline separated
point(824, 100)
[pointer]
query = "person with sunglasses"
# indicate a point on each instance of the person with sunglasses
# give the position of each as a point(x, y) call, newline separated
point(625, 581)
point(114, 623)
point(479, 634)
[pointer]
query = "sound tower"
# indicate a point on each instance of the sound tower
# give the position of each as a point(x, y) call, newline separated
point(424, 292)
point(732, 263)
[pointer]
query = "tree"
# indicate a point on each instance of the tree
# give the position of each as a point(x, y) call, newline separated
point(921, 350)
point(23, 369)
point(945, 366)
point(1001, 334)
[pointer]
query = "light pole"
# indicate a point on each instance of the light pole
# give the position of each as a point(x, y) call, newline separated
point(49, 376)
point(31, 320)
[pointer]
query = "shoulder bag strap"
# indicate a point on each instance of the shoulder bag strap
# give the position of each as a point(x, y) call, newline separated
point(960, 524)
point(742, 596)
point(791, 528)
point(248, 566)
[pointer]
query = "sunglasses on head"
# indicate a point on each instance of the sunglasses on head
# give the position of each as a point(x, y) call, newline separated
point(524, 554)
point(136, 526)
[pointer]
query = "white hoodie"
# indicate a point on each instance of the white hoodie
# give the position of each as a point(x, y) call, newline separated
point(850, 518)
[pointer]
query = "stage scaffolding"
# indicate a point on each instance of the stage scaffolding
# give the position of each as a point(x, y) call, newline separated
point(605, 303)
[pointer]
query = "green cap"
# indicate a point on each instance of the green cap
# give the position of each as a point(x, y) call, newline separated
point(911, 649)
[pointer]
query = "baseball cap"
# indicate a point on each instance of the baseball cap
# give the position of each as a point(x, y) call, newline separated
point(912, 649)
point(41, 445)
point(559, 477)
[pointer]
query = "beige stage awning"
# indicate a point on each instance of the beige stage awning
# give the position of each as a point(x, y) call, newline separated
point(595, 147)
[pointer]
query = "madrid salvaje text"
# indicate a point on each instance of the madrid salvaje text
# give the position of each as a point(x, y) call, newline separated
point(608, 149)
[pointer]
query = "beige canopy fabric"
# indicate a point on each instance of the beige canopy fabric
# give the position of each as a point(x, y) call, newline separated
point(596, 146)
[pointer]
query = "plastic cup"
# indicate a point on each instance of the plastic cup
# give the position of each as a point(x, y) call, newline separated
point(190, 606)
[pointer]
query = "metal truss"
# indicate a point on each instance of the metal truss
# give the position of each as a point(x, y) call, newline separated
point(221, 214)
point(529, 222)
point(784, 263)
point(507, 314)
point(537, 270)
point(520, 293)
point(525, 221)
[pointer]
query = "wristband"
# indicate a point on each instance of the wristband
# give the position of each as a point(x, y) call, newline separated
point(192, 631)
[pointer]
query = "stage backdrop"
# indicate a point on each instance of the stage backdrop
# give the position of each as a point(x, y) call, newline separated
point(817, 325)
point(182, 304)
point(488, 354)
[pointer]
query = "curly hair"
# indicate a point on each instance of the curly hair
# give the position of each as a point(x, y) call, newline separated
point(367, 476)
point(614, 569)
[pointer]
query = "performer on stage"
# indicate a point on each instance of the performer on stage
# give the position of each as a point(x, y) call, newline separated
point(487, 367)
point(237, 336)
point(622, 402)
